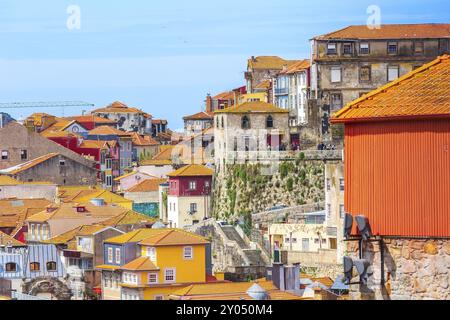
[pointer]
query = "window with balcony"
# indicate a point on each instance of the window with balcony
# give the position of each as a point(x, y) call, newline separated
point(331, 48)
point(364, 48)
point(393, 73)
point(392, 47)
point(364, 73)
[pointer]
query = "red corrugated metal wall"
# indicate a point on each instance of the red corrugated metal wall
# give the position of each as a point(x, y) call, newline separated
point(398, 175)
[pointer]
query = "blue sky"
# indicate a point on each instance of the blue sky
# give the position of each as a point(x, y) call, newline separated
point(164, 56)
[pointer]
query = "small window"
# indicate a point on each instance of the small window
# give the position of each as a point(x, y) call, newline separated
point(222, 122)
point(418, 47)
point(5, 154)
point(35, 266)
point(245, 122)
point(152, 278)
point(269, 122)
point(192, 208)
point(347, 48)
point(23, 155)
point(328, 210)
point(110, 255)
point(392, 48)
point(364, 48)
point(336, 74)
point(159, 297)
point(336, 101)
point(117, 255)
point(341, 184)
point(293, 240)
point(364, 73)
point(151, 253)
point(392, 73)
point(341, 211)
point(62, 162)
point(331, 48)
point(187, 253)
point(11, 267)
point(51, 266)
point(192, 185)
point(328, 184)
point(169, 275)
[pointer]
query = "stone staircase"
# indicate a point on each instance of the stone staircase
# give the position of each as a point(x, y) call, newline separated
point(253, 255)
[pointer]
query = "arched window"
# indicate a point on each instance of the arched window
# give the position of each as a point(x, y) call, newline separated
point(11, 267)
point(245, 122)
point(51, 266)
point(35, 266)
point(269, 122)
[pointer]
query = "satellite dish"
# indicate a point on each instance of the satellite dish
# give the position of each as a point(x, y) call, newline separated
point(348, 224)
point(363, 227)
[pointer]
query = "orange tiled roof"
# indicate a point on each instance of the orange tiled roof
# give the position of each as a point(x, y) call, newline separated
point(148, 185)
point(171, 237)
point(266, 84)
point(192, 170)
point(140, 264)
point(164, 157)
point(296, 67)
point(159, 121)
point(14, 211)
point(269, 62)
point(391, 31)
point(253, 107)
point(227, 95)
point(118, 107)
point(107, 130)
point(135, 236)
point(91, 118)
point(7, 240)
point(145, 140)
point(200, 116)
point(424, 92)
point(96, 144)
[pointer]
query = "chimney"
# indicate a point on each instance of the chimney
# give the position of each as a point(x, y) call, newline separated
point(278, 275)
point(209, 107)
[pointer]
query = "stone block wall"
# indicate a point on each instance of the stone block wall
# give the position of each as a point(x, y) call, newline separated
point(413, 269)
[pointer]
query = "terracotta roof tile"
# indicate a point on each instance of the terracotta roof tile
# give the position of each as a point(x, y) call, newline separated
point(424, 92)
point(296, 67)
point(200, 116)
point(140, 264)
point(107, 130)
point(147, 185)
point(266, 84)
point(117, 107)
point(135, 236)
point(269, 62)
point(391, 31)
point(253, 107)
point(227, 95)
point(170, 237)
point(91, 118)
point(143, 140)
point(7, 240)
point(192, 170)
